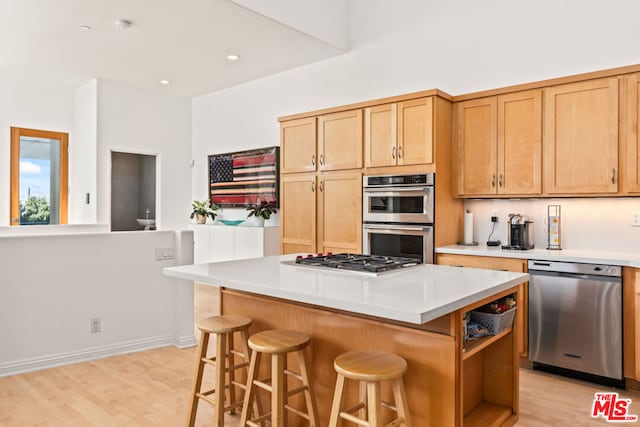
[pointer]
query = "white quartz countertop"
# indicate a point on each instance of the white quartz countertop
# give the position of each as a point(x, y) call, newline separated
point(415, 295)
point(567, 255)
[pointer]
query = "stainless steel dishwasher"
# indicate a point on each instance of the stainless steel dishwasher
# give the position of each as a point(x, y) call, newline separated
point(575, 317)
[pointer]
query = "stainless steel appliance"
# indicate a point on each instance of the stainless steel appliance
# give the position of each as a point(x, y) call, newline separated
point(356, 262)
point(575, 317)
point(398, 198)
point(520, 232)
point(398, 213)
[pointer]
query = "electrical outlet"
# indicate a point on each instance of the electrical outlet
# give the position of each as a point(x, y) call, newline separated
point(635, 219)
point(95, 325)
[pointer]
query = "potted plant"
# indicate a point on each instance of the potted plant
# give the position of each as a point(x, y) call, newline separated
point(202, 209)
point(262, 211)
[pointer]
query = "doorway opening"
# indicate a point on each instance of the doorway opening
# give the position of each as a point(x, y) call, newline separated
point(133, 191)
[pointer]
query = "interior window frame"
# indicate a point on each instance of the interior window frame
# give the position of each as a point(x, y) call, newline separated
point(16, 134)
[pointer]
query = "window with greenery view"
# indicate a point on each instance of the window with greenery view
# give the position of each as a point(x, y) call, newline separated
point(38, 177)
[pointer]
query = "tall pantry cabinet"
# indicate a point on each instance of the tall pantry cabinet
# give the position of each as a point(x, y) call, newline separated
point(321, 183)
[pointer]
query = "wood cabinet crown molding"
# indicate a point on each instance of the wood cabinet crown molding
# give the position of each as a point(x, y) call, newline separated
point(371, 103)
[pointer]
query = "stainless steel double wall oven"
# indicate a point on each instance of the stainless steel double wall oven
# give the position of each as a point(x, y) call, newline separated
point(398, 215)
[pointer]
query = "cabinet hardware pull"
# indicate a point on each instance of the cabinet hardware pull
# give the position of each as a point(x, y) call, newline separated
point(400, 152)
point(613, 175)
point(393, 153)
point(500, 180)
point(313, 160)
point(321, 159)
point(321, 185)
point(313, 186)
point(493, 180)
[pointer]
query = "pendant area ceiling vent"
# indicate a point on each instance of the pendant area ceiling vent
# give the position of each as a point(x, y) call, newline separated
point(123, 24)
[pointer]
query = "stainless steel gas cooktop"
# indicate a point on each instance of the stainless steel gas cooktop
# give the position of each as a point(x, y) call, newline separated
point(373, 264)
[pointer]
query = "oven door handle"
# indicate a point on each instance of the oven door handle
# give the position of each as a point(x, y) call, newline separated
point(395, 229)
point(395, 190)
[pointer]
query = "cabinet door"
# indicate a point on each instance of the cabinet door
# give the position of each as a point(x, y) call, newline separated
point(222, 243)
point(631, 155)
point(520, 143)
point(340, 212)
point(506, 264)
point(581, 137)
point(340, 140)
point(298, 145)
point(476, 151)
point(415, 131)
point(380, 135)
point(298, 213)
point(249, 242)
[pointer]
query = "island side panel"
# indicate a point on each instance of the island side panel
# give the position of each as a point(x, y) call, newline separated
point(430, 380)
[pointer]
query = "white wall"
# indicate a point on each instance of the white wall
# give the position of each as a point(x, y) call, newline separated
point(29, 105)
point(401, 47)
point(82, 156)
point(45, 312)
point(143, 122)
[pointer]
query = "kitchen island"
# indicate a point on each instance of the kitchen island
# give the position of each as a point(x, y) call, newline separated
point(415, 312)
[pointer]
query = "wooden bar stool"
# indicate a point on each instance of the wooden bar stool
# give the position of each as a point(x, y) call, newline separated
point(223, 327)
point(279, 343)
point(370, 368)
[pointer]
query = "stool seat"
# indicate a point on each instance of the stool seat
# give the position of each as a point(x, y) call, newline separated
point(370, 365)
point(223, 324)
point(370, 369)
point(278, 344)
point(278, 341)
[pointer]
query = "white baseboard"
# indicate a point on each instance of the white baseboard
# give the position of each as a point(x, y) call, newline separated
point(49, 361)
point(186, 341)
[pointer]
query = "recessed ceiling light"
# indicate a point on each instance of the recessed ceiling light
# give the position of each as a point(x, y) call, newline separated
point(165, 82)
point(232, 57)
point(85, 27)
point(123, 24)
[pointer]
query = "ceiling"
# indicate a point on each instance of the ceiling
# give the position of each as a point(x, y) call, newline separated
point(184, 42)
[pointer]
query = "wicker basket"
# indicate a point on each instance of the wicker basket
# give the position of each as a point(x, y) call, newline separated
point(495, 323)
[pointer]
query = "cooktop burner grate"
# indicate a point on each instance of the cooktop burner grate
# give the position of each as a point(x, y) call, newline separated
point(358, 262)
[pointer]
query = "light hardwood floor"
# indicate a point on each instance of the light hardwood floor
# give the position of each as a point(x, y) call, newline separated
point(152, 388)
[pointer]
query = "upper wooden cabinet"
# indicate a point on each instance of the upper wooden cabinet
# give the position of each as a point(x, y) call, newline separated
point(631, 142)
point(399, 133)
point(298, 145)
point(340, 140)
point(581, 137)
point(499, 145)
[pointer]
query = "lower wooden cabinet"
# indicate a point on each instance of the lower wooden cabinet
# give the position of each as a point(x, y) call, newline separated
point(321, 212)
point(504, 264)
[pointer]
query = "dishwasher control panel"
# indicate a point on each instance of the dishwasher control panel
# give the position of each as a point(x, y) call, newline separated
point(576, 268)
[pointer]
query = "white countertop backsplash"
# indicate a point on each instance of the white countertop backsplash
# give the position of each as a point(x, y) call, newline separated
point(590, 225)
point(415, 295)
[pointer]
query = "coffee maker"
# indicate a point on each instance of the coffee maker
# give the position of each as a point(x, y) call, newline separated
point(520, 232)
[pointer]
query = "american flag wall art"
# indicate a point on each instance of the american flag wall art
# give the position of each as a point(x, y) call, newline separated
point(244, 178)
